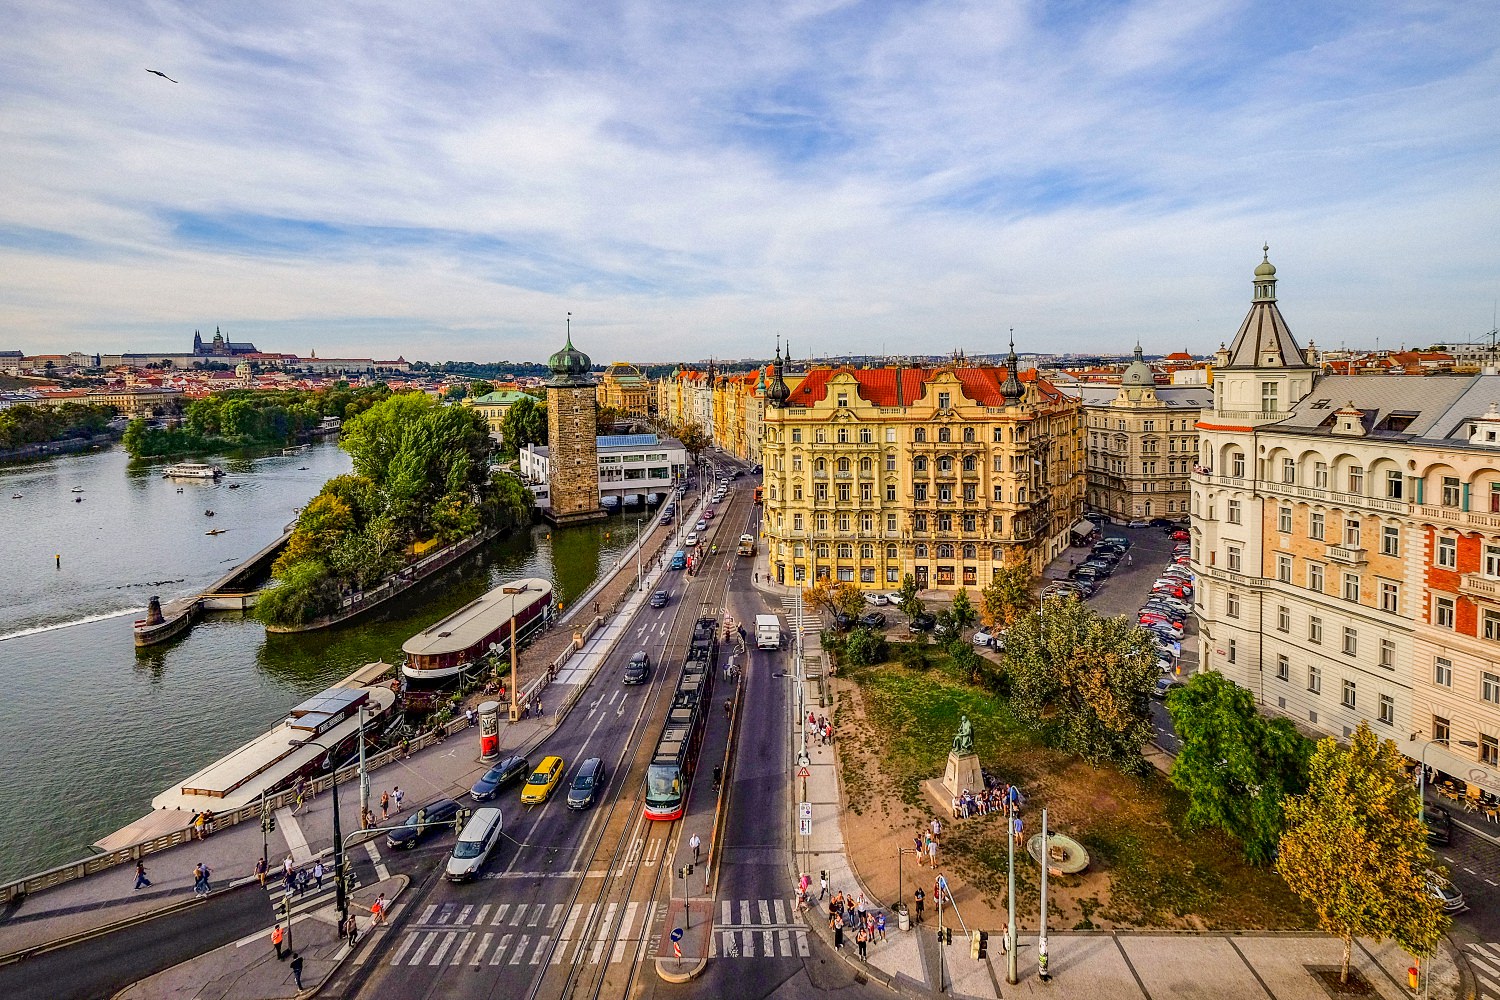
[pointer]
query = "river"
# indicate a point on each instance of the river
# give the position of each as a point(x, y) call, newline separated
point(92, 729)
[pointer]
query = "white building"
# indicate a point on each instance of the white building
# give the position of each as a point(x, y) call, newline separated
point(630, 465)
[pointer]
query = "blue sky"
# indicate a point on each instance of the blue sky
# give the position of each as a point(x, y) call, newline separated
point(447, 182)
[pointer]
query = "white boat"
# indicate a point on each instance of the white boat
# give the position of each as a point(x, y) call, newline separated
point(192, 470)
point(447, 648)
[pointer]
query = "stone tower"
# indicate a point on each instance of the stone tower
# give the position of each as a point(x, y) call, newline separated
point(572, 408)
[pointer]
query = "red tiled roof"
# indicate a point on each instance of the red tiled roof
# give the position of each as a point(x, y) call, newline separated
point(878, 385)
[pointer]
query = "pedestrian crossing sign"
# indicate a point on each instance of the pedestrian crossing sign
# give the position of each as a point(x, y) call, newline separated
point(803, 772)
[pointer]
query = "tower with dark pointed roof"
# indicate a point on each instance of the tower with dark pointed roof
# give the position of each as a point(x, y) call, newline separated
point(777, 392)
point(572, 436)
point(1267, 372)
point(1011, 390)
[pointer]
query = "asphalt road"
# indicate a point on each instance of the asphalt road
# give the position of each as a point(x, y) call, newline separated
point(99, 967)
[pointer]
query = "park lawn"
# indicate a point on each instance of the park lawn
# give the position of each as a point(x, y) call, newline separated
point(1146, 870)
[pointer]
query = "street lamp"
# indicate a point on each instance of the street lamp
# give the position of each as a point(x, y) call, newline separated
point(338, 839)
point(1422, 771)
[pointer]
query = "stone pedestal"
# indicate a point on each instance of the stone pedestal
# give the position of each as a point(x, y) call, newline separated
point(962, 773)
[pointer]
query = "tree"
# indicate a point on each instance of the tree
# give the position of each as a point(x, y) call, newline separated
point(481, 388)
point(456, 391)
point(1086, 681)
point(525, 423)
point(1236, 766)
point(1356, 851)
point(1008, 597)
point(693, 437)
point(866, 646)
point(835, 596)
point(964, 615)
point(910, 604)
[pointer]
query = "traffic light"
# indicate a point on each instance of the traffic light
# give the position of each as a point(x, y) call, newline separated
point(945, 935)
point(268, 822)
point(979, 945)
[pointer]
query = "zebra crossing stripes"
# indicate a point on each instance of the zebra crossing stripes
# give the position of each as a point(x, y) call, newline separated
point(810, 621)
point(766, 928)
point(1484, 959)
point(309, 899)
point(447, 933)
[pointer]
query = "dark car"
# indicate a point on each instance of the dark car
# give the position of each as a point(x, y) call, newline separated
point(1088, 573)
point(842, 622)
point(1104, 566)
point(1109, 555)
point(509, 770)
point(638, 669)
point(922, 622)
point(659, 599)
point(434, 817)
point(1439, 825)
point(587, 783)
point(872, 619)
point(1161, 522)
point(1119, 540)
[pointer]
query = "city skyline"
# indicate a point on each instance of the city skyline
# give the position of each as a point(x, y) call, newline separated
point(859, 178)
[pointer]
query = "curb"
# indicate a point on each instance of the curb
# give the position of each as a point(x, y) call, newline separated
point(318, 988)
point(680, 976)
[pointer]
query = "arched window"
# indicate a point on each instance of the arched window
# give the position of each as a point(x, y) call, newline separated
point(968, 462)
point(945, 464)
point(843, 465)
point(920, 551)
point(822, 550)
point(969, 435)
point(971, 552)
point(821, 466)
point(997, 554)
point(945, 551)
point(890, 552)
point(845, 550)
point(943, 436)
point(864, 466)
point(919, 435)
point(867, 551)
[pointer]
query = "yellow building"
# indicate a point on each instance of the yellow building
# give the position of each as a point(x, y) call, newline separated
point(945, 473)
point(493, 406)
point(622, 387)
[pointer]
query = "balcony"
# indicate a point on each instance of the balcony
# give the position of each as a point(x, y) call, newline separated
point(1453, 515)
point(1477, 585)
point(1252, 417)
point(1347, 556)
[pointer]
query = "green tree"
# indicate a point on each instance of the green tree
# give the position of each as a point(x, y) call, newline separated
point(693, 437)
point(910, 604)
point(1009, 596)
point(481, 388)
point(1236, 766)
point(964, 615)
point(455, 392)
point(866, 646)
point(1355, 850)
point(525, 423)
point(322, 524)
point(1085, 681)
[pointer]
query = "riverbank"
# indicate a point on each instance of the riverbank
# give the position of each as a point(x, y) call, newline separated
point(46, 449)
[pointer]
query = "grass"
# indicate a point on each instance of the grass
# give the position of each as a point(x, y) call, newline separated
point(1147, 870)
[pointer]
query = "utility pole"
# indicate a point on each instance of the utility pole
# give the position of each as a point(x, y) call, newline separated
point(1011, 975)
point(1041, 948)
point(364, 776)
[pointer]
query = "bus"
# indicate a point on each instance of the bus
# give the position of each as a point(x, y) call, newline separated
point(760, 494)
point(670, 773)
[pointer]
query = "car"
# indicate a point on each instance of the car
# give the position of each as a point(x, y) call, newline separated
point(702, 525)
point(1171, 588)
point(1161, 522)
point(435, 817)
point(878, 600)
point(1111, 545)
point(1096, 517)
point(1180, 572)
point(894, 596)
point(666, 522)
point(478, 839)
point(659, 599)
point(872, 619)
point(1154, 615)
point(1089, 573)
point(1446, 892)
point(708, 514)
point(1164, 628)
point(924, 621)
point(843, 622)
point(1062, 589)
point(1108, 554)
point(588, 782)
point(1167, 647)
point(1439, 825)
point(1119, 540)
point(1164, 664)
point(638, 670)
point(1179, 535)
point(1164, 684)
point(737, 473)
point(1164, 605)
point(542, 781)
point(985, 638)
point(691, 539)
point(943, 631)
point(1139, 523)
point(507, 772)
point(1103, 566)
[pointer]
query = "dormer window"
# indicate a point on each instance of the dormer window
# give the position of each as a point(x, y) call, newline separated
point(945, 401)
point(843, 399)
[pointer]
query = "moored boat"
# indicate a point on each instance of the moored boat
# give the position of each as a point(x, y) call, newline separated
point(449, 647)
point(192, 470)
point(611, 505)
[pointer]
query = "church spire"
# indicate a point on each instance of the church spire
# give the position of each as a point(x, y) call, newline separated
point(1011, 389)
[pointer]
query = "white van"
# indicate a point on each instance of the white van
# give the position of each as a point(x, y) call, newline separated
point(475, 843)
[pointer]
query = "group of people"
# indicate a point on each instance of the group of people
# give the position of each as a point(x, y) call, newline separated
point(992, 798)
point(203, 824)
point(821, 728)
point(849, 913)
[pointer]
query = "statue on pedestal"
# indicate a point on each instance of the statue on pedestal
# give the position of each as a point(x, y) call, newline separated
point(963, 743)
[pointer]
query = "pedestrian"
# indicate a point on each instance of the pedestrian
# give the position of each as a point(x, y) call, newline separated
point(351, 930)
point(932, 845)
point(937, 827)
point(377, 910)
point(694, 843)
point(286, 867)
point(861, 939)
point(838, 933)
point(398, 797)
point(298, 807)
point(201, 884)
point(880, 924)
point(200, 821)
point(385, 806)
point(1129, 560)
point(728, 708)
point(289, 884)
point(757, 577)
point(822, 886)
point(278, 935)
point(921, 846)
point(318, 873)
point(921, 898)
point(303, 878)
point(297, 970)
point(1015, 827)
point(141, 881)
point(260, 870)
point(406, 749)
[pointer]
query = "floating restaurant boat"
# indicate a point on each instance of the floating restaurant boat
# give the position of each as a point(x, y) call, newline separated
point(611, 505)
point(192, 470)
point(272, 761)
point(455, 644)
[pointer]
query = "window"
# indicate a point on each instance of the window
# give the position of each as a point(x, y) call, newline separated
point(890, 525)
point(1357, 480)
point(867, 551)
point(1394, 484)
point(1450, 491)
point(819, 437)
point(1232, 650)
point(1233, 558)
point(822, 550)
point(796, 491)
point(945, 401)
point(864, 493)
point(843, 399)
point(1351, 533)
point(919, 464)
point(1388, 654)
point(1441, 730)
point(1283, 619)
point(919, 435)
point(1320, 475)
point(843, 493)
point(1351, 642)
point(944, 436)
point(1489, 749)
point(1387, 713)
point(846, 551)
point(1348, 697)
point(1315, 525)
point(890, 462)
point(1315, 630)
point(822, 521)
point(1315, 576)
point(843, 435)
point(969, 435)
point(1232, 514)
point(843, 465)
point(1491, 687)
point(945, 493)
point(968, 459)
point(1390, 540)
point(1283, 668)
point(866, 436)
point(890, 550)
point(919, 492)
point(820, 491)
point(1447, 553)
point(1442, 612)
point(1288, 470)
point(866, 523)
point(1232, 604)
point(796, 435)
point(1442, 671)
point(1315, 679)
point(1492, 625)
point(945, 464)
point(1284, 520)
point(1237, 465)
point(1351, 587)
point(1492, 560)
point(945, 522)
point(999, 494)
point(1268, 399)
point(890, 492)
point(1390, 596)
point(890, 435)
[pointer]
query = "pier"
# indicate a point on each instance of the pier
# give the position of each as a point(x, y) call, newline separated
point(231, 592)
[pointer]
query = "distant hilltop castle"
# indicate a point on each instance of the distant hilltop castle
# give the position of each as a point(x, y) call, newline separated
point(219, 347)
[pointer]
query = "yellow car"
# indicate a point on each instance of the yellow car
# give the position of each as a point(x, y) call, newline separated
point(542, 781)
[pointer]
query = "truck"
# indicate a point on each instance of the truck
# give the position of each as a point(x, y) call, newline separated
point(747, 545)
point(767, 632)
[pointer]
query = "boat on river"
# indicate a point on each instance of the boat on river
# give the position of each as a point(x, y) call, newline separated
point(192, 470)
point(456, 644)
point(273, 761)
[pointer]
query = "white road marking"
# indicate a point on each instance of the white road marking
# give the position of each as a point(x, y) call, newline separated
point(421, 951)
point(448, 939)
point(500, 949)
point(618, 955)
point(520, 952)
point(296, 840)
point(405, 946)
point(380, 868)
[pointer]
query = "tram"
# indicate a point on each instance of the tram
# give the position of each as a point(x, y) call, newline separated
point(670, 773)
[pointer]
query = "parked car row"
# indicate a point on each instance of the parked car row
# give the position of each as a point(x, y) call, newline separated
point(1100, 563)
point(1166, 612)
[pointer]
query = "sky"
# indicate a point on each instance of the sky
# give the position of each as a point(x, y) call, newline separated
point(448, 181)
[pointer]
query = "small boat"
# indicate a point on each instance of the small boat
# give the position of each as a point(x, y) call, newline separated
point(78, 499)
point(301, 468)
point(208, 513)
point(234, 486)
point(17, 496)
point(78, 489)
point(215, 531)
point(192, 470)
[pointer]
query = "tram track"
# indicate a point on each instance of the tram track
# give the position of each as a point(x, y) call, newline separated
point(606, 893)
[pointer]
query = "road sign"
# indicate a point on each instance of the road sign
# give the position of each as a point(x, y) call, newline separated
point(677, 950)
point(805, 810)
point(804, 826)
point(803, 772)
point(676, 933)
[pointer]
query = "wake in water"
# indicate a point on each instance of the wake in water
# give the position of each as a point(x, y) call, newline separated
point(81, 621)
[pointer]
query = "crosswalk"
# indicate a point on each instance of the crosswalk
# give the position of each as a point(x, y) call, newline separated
point(1484, 959)
point(311, 899)
point(759, 928)
point(524, 933)
point(811, 623)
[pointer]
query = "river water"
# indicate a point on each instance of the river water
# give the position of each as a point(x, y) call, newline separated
point(91, 729)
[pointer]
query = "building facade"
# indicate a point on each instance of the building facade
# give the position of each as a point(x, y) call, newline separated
point(945, 473)
point(572, 414)
point(630, 465)
point(493, 406)
point(622, 387)
point(1346, 535)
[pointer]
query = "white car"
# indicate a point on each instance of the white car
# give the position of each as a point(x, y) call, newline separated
point(894, 596)
point(878, 600)
point(1138, 524)
point(983, 638)
point(691, 539)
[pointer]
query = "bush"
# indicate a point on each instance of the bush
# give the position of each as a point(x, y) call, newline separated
point(913, 655)
point(866, 647)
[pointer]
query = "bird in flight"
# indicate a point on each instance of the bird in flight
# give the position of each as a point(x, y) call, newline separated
point(162, 75)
